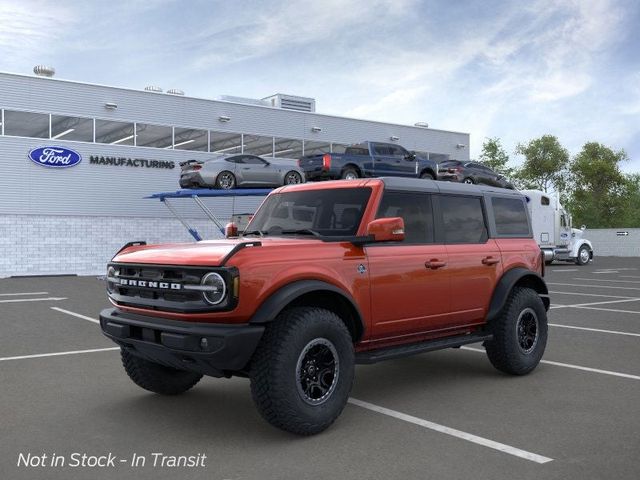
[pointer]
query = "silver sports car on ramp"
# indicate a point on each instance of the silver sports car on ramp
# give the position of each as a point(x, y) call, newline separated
point(232, 171)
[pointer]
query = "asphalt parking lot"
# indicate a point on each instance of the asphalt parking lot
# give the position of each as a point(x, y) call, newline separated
point(442, 415)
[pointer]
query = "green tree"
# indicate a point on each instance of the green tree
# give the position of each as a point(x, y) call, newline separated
point(545, 166)
point(601, 195)
point(495, 157)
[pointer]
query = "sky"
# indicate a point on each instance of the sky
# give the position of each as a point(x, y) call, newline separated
point(509, 69)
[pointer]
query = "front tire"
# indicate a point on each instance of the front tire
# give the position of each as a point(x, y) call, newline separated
point(157, 378)
point(519, 333)
point(584, 255)
point(225, 180)
point(302, 371)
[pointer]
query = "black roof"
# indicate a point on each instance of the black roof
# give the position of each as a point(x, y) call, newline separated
point(435, 186)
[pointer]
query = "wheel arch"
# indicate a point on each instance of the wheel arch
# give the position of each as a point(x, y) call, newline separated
point(313, 293)
point(355, 167)
point(430, 171)
point(516, 277)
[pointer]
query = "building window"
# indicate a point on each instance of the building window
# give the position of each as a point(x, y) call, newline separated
point(190, 139)
point(287, 148)
point(156, 136)
point(225, 143)
point(115, 133)
point(71, 128)
point(316, 148)
point(26, 124)
point(257, 145)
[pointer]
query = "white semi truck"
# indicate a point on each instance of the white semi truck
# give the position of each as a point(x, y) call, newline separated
point(553, 231)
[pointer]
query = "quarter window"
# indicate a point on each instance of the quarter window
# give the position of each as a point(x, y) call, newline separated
point(463, 219)
point(511, 217)
point(416, 212)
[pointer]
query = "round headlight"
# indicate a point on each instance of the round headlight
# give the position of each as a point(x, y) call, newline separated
point(216, 288)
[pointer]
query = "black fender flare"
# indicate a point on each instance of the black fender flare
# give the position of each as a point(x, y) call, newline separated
point(277, 301)
point(506, 284)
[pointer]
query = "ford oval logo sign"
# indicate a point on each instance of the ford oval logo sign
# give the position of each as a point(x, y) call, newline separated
point(55, 157)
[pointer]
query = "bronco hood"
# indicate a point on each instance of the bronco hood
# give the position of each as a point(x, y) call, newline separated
point(208, 253)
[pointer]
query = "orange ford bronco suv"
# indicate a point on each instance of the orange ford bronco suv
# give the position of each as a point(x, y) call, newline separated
point(328, 275)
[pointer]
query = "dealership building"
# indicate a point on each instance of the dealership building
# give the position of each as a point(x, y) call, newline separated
point(129, 144)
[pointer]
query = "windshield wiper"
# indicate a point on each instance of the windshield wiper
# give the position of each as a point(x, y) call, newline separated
point(254, 232)
point(302, 231)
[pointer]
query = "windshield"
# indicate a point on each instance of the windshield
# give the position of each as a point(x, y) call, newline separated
point(331, 212)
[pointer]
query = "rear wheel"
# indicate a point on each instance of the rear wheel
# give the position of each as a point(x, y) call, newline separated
point(350, 173)
point(302, 371)
point(225, 180)
point(292, 177)
point(427, 175)
point(519, 333)
point(468, 180)
point(584, 255)
point(157, 378)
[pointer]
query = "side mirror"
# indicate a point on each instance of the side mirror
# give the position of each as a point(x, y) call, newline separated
point(230, 230)
point(386, 229)
point(410, 156)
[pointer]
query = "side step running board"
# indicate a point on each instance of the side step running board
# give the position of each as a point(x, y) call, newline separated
point(374, 356)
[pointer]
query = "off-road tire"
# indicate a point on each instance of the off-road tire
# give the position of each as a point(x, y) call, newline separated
point(274, 370)
point(349, 173)
point(504, 350)
point(222, 184)
point(157, 378)
point(427, 176)
point(579, 260)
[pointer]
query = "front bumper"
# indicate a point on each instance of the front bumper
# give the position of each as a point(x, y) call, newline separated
point(181, 345)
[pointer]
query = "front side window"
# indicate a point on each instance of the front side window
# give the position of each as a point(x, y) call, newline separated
point(463, 219)
point(415, 210)
point(331, 212)
point(511, 217)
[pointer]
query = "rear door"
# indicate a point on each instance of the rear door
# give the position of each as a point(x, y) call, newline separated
point(474, 260)
point(410, 279)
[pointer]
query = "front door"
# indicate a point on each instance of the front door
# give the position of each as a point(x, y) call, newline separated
point(409, 279)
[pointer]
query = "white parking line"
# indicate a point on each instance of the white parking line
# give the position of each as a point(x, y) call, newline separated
point(452, 431)
point(598, 330)
point(73, 314)
point(562, 271)
point(594, 303)
point(25, 293)
point(56, 354)
point(610, 310)
point(629, 276)
point(604, 280)
point(48, 299)
point(589, 294)
point(575, 367)
point(593, 286)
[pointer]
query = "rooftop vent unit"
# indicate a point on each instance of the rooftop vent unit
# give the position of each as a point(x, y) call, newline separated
point(291, 102)
point(175, 91)
point(44, 71)
point(153, 88)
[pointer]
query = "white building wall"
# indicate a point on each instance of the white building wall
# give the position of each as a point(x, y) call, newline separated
point(607, 242)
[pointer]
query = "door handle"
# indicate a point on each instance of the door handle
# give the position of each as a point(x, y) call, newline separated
point(434, 264)
point(490, 260)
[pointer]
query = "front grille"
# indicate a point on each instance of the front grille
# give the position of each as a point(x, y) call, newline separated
point(160, 287)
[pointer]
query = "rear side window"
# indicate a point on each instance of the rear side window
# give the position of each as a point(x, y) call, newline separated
point(511, 217)
point(463, 219)
point(415, 210)
point(356, 151)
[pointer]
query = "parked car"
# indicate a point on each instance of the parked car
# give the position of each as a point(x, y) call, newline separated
point(471, 172)
point(231, 171)
point(368, 159)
